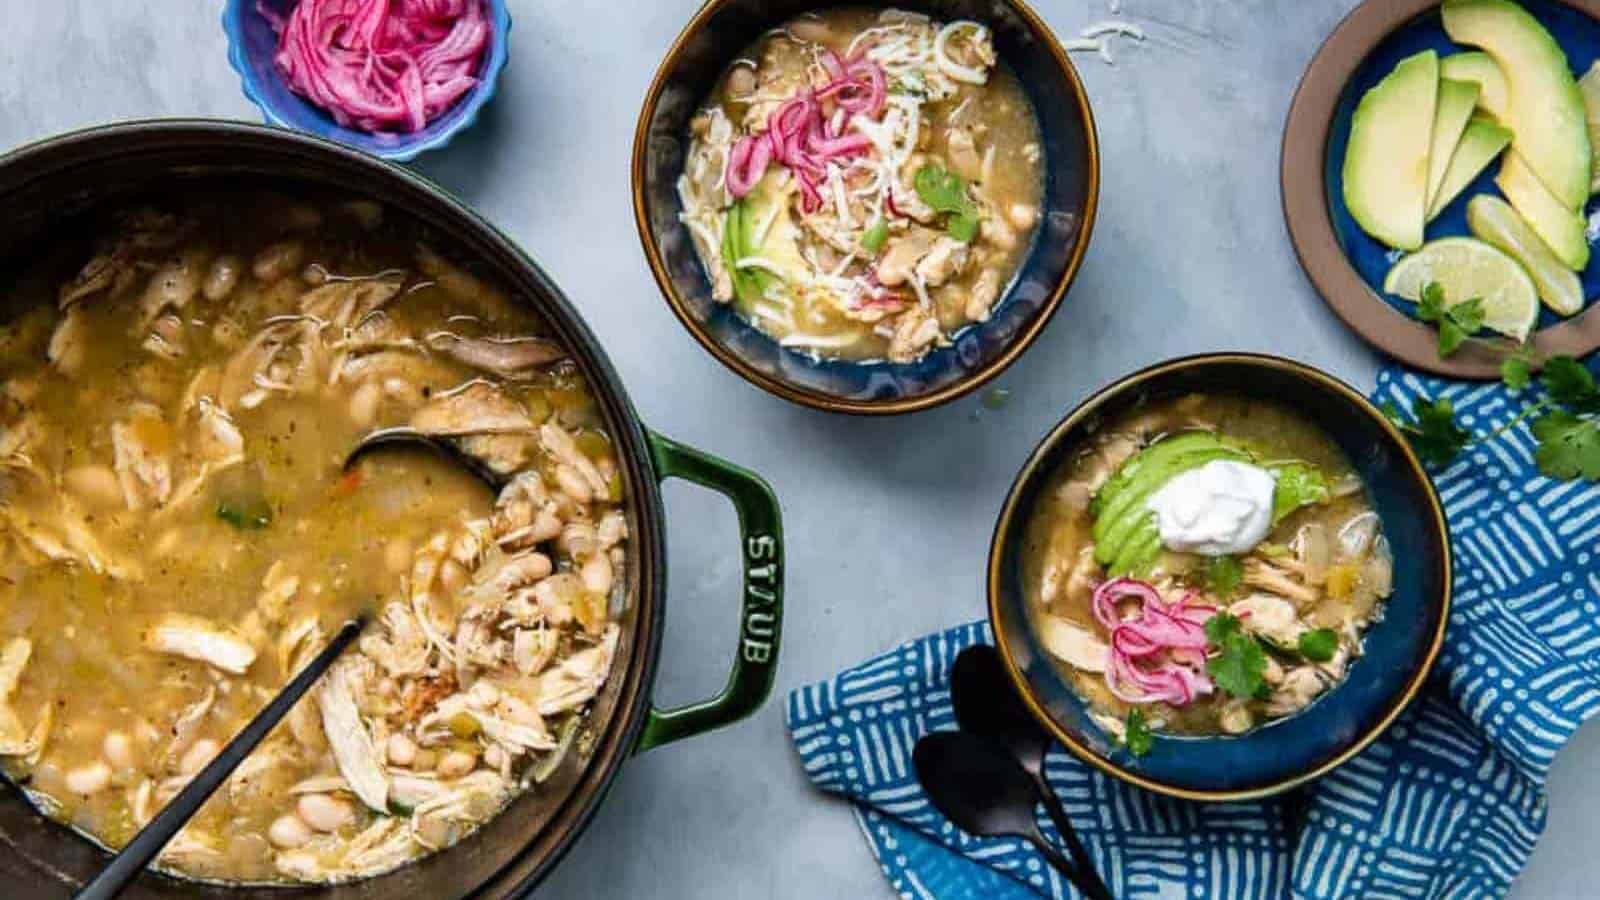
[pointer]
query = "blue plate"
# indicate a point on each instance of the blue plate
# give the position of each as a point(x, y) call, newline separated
point(1579, 37)
point(252, 43)
point(1400, 649)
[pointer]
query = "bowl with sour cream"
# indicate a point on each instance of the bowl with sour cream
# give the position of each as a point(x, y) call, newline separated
point(1220, 577)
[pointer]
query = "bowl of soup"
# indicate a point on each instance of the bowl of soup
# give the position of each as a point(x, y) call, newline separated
point(1220, 577)
point(204, 319)
point(866, 209)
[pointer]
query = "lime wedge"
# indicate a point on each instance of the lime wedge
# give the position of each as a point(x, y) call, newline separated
point(1466, 268)
point(1493, 220)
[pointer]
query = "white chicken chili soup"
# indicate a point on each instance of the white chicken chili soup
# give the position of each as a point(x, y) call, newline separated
point(864, 183)
point(178, 536)
point(1203, 565)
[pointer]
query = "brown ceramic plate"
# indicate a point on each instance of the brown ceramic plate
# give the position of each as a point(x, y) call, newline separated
point(1317, 121)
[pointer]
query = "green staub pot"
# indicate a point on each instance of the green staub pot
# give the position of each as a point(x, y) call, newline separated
point(48, 186)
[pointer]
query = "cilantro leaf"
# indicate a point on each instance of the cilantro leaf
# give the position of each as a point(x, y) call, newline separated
point(1516, 370)
point(1138, 736)
point(946, 192)
point(1468, 314)
point(963, 227)
point(1435, 434)
point(1430, 306)
point(1222, 575)
point(1451, 337)
point(1319, 645)
point(1570, 383)
point(1222, 626)
point(1569, 447)
point(1237, 669)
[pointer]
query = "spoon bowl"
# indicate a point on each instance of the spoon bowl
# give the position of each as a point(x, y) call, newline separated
point(385, 439)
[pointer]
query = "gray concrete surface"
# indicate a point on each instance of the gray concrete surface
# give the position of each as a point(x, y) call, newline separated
point(888, 521)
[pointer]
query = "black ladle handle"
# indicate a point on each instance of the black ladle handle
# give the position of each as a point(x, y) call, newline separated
point(1080, 854)
point(132, 859)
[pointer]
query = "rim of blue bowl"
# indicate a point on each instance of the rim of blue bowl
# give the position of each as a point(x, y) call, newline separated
point(1032, 469)
point(404, 150)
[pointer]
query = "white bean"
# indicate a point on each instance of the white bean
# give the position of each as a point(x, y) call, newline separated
point(597, 575)
point(483, 695)
point(573, 484)
point(457, 763)
point(288, 832)
point(813, 30)
point(277, 260)
point(324, 812)
point(90, 779)
point(364, 404)
point(118, 750)
point(546, 525)
point(221, 277)
point(402, 750)
point(1023, 215)
point(96, 484)
point(195, 758)
point(452, 576)
point(493, 757)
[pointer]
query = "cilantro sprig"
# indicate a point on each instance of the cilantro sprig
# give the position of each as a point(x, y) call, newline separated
point(1240, 662)
point(1221, 575)
point(946, 192)
point(1137, 735)
point(1456, 321)
point(1565, 418)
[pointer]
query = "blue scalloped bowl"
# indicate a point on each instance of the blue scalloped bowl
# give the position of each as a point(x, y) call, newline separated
point(252, 43)
point(1579, 37)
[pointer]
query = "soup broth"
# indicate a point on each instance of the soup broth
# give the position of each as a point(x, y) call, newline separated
point(178, 535)
point(1196, 640)
point(864, 183)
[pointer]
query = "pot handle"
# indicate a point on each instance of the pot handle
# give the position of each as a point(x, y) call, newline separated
point(755, 667)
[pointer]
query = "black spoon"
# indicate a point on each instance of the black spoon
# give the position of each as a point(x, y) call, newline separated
point(986, 792)
point(987, 704)
point(132, 859)
point(391, 438)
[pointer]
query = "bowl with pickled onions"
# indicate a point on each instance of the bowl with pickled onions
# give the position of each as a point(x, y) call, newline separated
point(1220, 577)
point(394, 78)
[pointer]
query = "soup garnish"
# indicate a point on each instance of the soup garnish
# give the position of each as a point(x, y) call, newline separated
point(1204, 565)
point(863, 184)
point(178, 537)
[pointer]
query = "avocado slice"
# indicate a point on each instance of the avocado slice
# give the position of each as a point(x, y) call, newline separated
point(1138, 552)
point(759, 225)
point(1386, 161)
point(1560, 227)
point(1126, 517)
point(1495, 222)
point(1450, 116)
point(1481, 142)
point(1481, 69)
point(1544, 107)
point(1589, 87)
point(1154, 455)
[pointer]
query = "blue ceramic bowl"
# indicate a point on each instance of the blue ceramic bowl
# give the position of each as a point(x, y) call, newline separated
point(252, 43)
point(1400, 649)
point(978, 352)
point(1579, 37)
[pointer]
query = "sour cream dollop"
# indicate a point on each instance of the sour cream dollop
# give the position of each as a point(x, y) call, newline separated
point(1218, 508)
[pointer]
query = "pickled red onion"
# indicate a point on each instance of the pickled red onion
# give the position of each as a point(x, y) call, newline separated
point(1168, 638)
point(381, 65)
point(802, 140)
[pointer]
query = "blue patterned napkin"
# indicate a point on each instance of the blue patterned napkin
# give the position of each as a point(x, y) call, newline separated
point(1447, 804)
